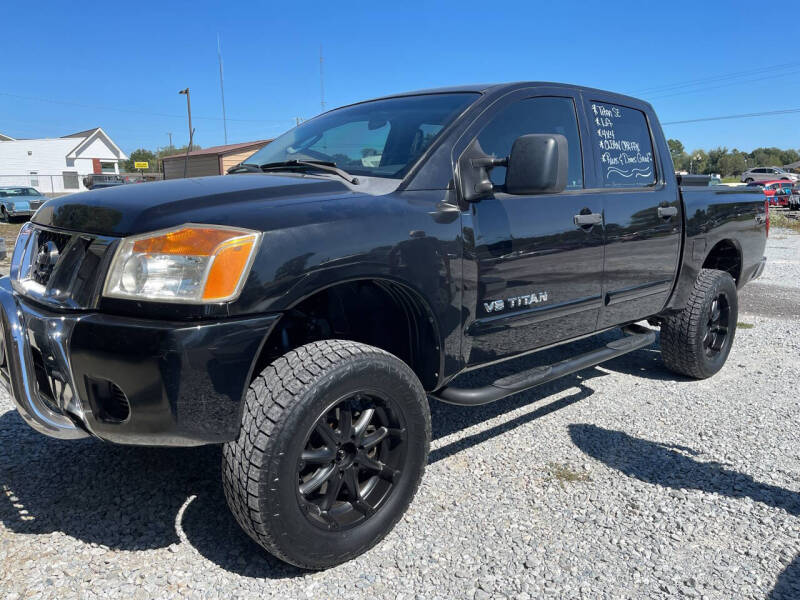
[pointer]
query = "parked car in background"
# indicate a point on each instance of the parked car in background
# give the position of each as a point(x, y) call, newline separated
point(19, 201)
point(794, 199)
point(778, 192)
point(102, 180)
point(768, 174)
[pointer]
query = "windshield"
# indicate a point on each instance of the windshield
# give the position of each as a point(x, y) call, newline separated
point(382, 138)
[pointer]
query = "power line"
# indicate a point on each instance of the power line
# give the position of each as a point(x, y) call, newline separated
point(741, 116)
point(723, 85)
point(135, 111)
point(715, 78)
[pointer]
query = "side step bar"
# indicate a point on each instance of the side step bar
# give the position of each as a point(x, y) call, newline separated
point(638, 337)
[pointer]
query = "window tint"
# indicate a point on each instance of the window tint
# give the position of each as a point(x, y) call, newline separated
point(382, 138)
point(534, 115)
point(625, 157)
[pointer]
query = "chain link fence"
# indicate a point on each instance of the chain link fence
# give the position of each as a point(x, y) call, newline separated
point(58, 184)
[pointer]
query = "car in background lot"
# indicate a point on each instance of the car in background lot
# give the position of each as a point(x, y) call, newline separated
point(19, 201)
point(778, 193)
point(102, 180)
point(794, 199)
point(768, 174)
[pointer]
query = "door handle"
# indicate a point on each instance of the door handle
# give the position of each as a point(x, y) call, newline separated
point(666, 212)
point(589, 219)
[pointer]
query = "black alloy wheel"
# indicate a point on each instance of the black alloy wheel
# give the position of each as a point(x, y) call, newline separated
point(351, 460)
point(716, 333)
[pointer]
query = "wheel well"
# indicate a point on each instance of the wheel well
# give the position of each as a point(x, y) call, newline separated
point(380, 313)
point(725, 257)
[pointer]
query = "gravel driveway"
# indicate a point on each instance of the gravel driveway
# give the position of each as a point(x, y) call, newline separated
point(623, 481)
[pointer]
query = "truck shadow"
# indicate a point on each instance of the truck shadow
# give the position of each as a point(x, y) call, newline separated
point(125, 498)
point(448, 419)
point(675, 466)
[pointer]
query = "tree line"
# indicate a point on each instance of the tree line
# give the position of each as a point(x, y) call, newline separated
point(153, 158)
point(728, 163)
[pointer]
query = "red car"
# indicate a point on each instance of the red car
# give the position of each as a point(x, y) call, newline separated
point(778, 192)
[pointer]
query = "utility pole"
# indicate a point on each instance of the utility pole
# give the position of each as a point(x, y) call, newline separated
point(191, 131)
point(169, 133)
point(321, 84)
point(222, 90)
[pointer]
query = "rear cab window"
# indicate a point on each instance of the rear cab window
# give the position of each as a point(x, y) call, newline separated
point(623, 147)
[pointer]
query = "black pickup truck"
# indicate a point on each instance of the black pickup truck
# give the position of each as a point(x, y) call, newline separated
point(302, 310)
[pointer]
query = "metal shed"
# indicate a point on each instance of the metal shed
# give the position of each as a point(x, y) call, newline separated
point(210, 161)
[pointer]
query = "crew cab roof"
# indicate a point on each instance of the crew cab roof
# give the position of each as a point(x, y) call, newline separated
point(484, 88)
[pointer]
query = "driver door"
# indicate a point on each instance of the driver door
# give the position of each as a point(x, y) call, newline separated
point(537, 274)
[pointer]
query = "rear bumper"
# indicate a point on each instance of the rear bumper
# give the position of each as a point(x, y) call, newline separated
point(126, 380)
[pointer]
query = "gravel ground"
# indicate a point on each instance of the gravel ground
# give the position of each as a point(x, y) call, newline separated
point(623, 481)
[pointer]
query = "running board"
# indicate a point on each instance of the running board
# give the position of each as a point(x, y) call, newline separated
point(638, 337)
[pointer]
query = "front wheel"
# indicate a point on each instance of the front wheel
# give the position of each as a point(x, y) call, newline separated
point(333, 445)
point(749, 180)
point(696, 342)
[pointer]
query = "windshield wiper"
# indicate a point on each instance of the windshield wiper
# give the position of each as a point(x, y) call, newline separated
point(244, 168)
point(321, 165)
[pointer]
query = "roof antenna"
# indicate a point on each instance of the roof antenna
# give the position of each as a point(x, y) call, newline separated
point(321, 84)
point(222, 90)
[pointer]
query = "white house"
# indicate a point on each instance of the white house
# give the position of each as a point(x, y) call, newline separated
point(57, 165)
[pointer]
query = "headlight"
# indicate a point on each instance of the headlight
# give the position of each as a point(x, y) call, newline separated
point(191, 263)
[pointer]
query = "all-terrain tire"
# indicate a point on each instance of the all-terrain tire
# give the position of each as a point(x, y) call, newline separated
point(286, 402)
point(685, 336)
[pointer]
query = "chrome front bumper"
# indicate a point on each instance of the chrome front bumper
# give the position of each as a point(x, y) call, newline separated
point(24, 330)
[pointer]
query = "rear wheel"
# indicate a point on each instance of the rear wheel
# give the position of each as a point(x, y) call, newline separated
point(696, 342)
point(333, 444)
point(3, 214)
point(749, 180)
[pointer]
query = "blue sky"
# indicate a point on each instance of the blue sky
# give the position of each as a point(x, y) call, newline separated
point(71, 66)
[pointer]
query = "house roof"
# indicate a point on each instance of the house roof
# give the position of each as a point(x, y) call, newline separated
point(87, 137)
point(226, 149)
point(82, 134)
point(794, 165)
point(6, 138)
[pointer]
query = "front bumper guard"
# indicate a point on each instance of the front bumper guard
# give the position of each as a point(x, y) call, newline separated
point(18, 377)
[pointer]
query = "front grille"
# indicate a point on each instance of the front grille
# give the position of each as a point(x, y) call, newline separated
point(50, 246)
point(58, 268)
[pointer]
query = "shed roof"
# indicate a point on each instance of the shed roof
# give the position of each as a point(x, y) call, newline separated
point(226, 149)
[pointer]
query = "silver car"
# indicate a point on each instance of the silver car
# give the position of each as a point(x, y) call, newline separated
point(768, 174)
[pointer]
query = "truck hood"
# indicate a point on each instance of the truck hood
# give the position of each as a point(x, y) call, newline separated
point(236, 200)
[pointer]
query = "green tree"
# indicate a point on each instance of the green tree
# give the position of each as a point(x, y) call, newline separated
point(141, 154)
point(714, 158)
point(678, 153)
point(698, 161)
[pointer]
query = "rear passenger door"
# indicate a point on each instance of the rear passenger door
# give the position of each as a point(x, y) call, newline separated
point(641, 209)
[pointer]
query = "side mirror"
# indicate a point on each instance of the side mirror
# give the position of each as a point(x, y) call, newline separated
point(537, 164)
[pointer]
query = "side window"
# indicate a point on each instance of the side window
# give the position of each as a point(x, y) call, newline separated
point(534, 115)
point(625, 157)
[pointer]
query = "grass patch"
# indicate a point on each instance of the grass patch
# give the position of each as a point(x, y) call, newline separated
point(743, 325)
point(731, 180)
point(779, 219)
point(564, 474)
